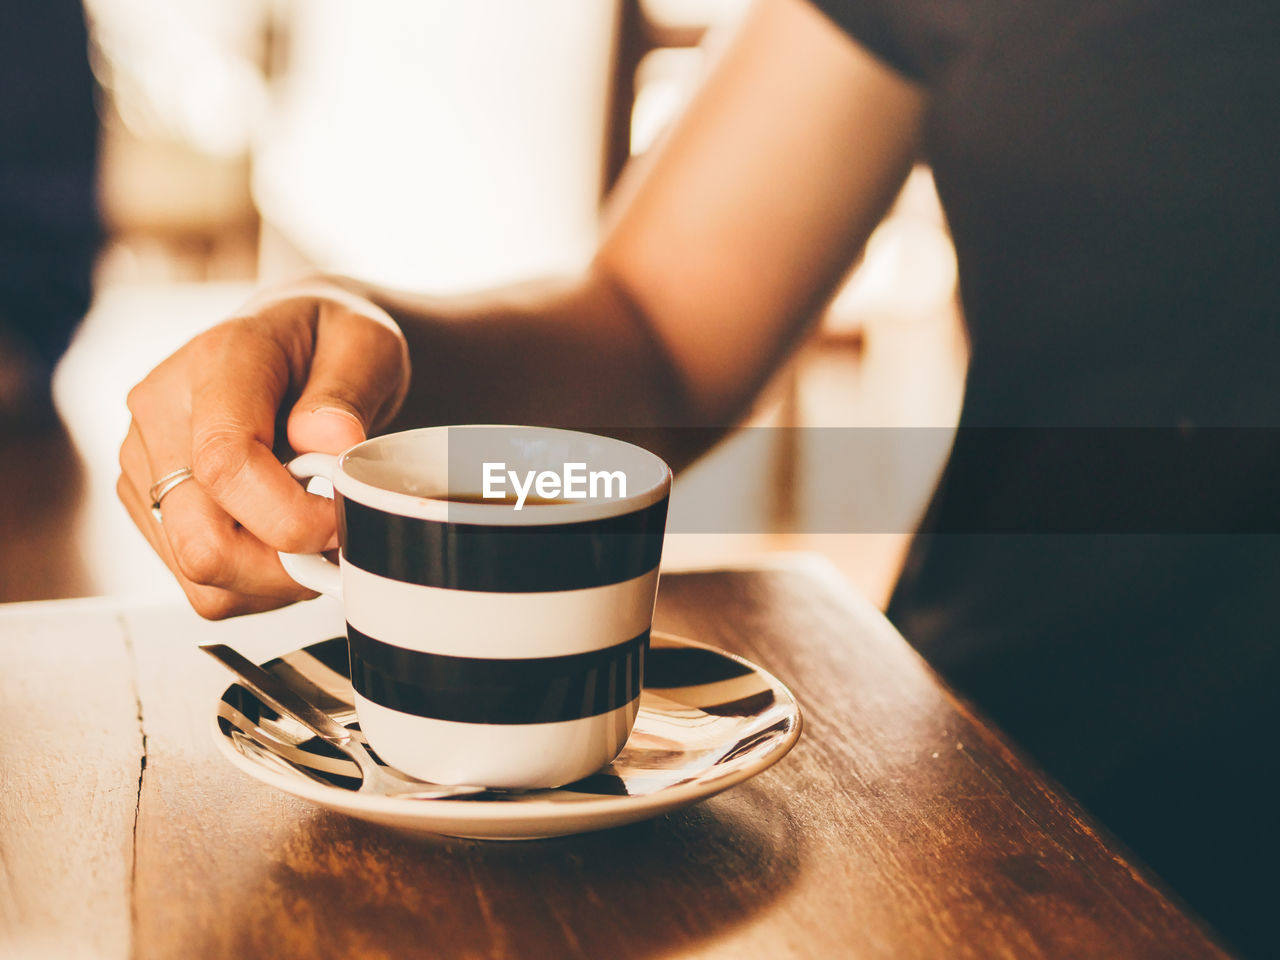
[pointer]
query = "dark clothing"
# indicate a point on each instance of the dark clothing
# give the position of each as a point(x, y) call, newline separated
point(49, 229)
point(1111, 173)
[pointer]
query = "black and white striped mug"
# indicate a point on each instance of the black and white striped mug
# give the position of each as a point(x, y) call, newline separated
point(495, 638)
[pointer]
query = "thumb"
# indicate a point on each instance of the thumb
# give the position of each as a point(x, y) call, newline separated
point(334, 411)
point(324, 425)
point(323, 422)
point(357, 371)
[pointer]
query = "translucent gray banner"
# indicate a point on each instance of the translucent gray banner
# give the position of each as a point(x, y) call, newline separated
point(975, 480)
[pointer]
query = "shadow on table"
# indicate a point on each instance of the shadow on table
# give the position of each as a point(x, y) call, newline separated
point(341, 887)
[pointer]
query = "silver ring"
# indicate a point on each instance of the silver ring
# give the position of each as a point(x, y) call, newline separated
point(160, 489)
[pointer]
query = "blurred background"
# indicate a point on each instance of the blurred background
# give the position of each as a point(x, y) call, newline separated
point(160, 159)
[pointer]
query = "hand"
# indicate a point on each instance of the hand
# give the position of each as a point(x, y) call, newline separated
point(216, 404)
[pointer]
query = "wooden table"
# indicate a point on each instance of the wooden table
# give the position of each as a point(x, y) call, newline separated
point(901, 825)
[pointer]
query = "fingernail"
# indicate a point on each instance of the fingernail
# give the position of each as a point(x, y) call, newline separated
point(339, 412)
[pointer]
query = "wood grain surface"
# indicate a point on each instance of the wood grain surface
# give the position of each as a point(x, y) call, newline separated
point(900, 826)
point(70, 758)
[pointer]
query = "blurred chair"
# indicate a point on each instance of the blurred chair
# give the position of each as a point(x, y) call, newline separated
point(49, 234)
point(49, 228)
point(643, 28)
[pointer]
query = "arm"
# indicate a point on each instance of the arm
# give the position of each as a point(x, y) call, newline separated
point(718, 250)
point(716, 256)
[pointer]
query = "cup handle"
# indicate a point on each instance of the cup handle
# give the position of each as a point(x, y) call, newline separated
point(312, 570)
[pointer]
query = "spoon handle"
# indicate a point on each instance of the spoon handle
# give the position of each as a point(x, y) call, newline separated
point(374, 778)
point(279, 697)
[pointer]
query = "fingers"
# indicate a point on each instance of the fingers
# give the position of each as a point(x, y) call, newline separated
point(242, 380)
point(222, 569)
point(357, 377)
point(214, 406)
point(210, 549)
point(212, 603)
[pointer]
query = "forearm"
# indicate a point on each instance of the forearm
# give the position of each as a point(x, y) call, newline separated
point(574, 353)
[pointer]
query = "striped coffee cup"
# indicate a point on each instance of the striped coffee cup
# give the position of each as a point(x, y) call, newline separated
point(498, 584)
